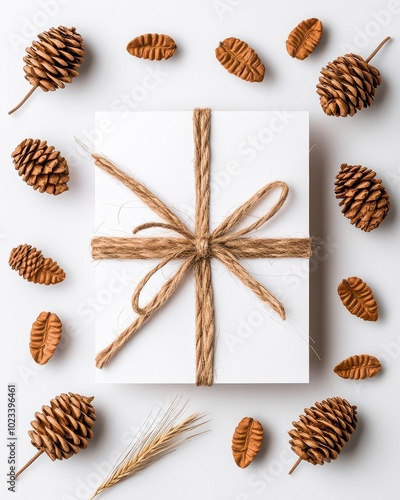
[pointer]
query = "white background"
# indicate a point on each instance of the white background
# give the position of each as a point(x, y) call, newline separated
point(62, 228)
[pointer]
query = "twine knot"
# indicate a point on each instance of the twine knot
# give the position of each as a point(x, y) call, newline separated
point(202, 246)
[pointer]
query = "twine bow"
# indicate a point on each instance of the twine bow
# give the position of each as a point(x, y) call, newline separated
point(196, 249)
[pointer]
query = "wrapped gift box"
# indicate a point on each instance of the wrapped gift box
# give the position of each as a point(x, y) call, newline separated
point(249, 150)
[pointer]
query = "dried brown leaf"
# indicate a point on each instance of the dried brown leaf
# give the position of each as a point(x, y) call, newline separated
point(247, 440)
point(358, 367)
point(304, 38)
point(357, 297)
point(240, 60)
point(152, 46)
point(49, 274)
point(45, 336)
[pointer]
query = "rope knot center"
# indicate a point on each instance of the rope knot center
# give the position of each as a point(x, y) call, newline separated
point(202, 246)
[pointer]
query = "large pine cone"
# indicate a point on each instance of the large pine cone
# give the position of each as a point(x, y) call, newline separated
point(41, 166)
point(363, 198)
point(346, 85)
point(323, 430)
point(55, 59)
point(64, 427)
point(34, 267)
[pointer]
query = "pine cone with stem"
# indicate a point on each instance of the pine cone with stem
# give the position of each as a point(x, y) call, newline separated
point(364, 199)
point(41, 166)
point(34, 267)
point(322, 431)
point(348, 84)
point(64, 427)
point(53, 60)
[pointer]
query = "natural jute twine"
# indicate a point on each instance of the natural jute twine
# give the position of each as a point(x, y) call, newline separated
point(197, 249)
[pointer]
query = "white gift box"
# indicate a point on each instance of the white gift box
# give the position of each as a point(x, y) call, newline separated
point(248, 150)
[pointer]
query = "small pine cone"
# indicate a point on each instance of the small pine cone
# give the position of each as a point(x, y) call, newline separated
point(31, 265)
point(54, 59)
point(41, 166)
point(26, 260)
point(363, 197)
point(346, 85)
point(323, 430)
point(64, 427)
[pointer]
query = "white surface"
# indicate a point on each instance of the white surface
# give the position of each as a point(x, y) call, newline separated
point(62, 227)
point(164, 350)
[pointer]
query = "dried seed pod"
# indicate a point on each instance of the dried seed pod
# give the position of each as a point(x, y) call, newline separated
point(348, 84)
point(53, 60)
point(45, 337)
point(364, 199)
point(358, 367)
point(357, 297)
point(305, 37)
point(62, 428)
point(152, 46)
point(322, 431)
point(240, 60)
point(32, 266)
point(247, 441)
point(41, 166)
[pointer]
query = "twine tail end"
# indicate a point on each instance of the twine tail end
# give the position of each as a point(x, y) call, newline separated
point(101, 359)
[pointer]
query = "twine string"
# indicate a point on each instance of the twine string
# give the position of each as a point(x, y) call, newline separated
point(196, 249)
point(204, 297)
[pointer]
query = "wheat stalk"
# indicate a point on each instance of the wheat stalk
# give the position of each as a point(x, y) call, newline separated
point(156, 438)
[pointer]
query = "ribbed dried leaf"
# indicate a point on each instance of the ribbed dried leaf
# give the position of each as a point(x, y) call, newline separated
point(304, 38)
point(45, 336)
point(358, 367)
point(50, 273)
point(152, 46)
point(247, 441)
point(240, 60)
point(357, 297)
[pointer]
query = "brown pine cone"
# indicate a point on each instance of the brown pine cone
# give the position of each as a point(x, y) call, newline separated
point(64, 427)
point(346, 85)
point(31, 265)
point(363, 197)
point(26, 260)
point(323, 430)
point(41, 166)
point(55, 59)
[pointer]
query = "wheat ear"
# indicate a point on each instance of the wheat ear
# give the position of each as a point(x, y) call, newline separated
point(157, 437)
